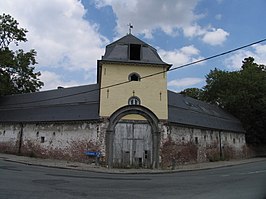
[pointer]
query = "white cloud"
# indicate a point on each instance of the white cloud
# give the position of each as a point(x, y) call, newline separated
point(58, 32)
point(53, 80)
point(172, 17)
point(193, 30)
point(181, 84)
point(215, 37)
point(258, 52)
point(185, 55)
point(190, 50)
point(209, 35)
point(151, 15)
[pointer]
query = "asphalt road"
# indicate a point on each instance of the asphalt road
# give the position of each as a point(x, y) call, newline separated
point(19, 181)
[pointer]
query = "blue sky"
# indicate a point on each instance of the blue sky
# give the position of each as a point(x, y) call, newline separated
point(70, 35)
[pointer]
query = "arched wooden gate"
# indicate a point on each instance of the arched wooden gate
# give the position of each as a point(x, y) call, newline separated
point(134, 152)
point(132, 145)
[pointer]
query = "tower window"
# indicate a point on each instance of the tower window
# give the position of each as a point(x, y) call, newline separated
point(134, 77)
point(134, 51)
point(134, 101)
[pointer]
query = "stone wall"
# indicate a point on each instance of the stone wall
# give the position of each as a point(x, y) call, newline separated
point(53, 140)
point(182, 145)
point(9, 137)
point(178, 144)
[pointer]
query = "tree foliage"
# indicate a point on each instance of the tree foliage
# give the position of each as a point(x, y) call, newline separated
point(16, 67)
point(195, 93)
point(242, 93)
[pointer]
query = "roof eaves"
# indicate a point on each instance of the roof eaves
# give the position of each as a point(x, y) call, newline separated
point(113, 61)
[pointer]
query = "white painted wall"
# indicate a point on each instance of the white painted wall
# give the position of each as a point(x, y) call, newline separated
point(9, 134)
point(210, 144)
point(71, 138)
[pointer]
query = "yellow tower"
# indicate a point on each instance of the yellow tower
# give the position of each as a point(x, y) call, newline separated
point(124, 77)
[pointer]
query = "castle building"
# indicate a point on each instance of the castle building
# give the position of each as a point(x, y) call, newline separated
point(129, 117)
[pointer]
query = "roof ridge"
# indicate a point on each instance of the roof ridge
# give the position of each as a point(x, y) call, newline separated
point(127, 40)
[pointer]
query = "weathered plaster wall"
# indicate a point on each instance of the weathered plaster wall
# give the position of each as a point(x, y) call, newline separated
point(178, 144)
point(54, 140)
point(9, 136)
point(181, 145)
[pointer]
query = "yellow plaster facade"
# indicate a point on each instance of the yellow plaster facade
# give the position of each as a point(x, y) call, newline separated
point(133, 117)
point(151, 91)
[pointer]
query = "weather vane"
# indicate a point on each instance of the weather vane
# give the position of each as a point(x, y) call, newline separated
point(130, 27)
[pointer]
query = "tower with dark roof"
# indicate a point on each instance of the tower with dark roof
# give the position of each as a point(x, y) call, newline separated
point(128, 62)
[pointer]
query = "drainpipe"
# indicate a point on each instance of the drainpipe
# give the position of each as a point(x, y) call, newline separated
point(20, 138)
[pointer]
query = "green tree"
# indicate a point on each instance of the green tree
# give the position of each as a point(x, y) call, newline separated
point(16, 67)
point(242, 93)
point(196, 93)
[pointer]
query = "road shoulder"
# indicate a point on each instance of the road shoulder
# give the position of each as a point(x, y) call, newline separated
point(93, 168)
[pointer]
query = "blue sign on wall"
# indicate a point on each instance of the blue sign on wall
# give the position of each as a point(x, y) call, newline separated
point(93, 153)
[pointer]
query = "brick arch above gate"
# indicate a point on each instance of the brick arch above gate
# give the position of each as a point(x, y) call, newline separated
point(127, 110)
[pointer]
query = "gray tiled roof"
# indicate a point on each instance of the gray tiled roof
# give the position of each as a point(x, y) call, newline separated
point(119, 51)
point(63, 104)
point(188, 111)
point(82, 103)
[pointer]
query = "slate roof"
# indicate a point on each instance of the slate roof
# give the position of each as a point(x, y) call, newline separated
point(63, 104)
point(189, 111)
point(82, 103)
point(118, 51)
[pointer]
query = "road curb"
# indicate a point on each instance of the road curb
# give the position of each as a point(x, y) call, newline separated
point(89, 168)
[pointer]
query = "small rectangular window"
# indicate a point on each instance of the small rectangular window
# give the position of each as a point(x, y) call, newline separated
point(145, 154)
point(196, 140)
point(42, 139)
point(134, 51)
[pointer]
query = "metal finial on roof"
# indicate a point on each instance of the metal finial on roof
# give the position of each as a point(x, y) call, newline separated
point(130, 28)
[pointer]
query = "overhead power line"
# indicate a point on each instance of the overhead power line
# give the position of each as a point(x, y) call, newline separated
point(147, 76)
point(188, 64)
point(208, 58)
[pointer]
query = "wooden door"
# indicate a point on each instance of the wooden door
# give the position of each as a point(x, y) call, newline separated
point(132, 146)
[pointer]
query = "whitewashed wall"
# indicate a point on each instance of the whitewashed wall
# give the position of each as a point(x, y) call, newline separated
point(70, 140)
point(187, 144)
point(9, 136)
point(54, 140)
